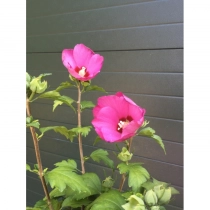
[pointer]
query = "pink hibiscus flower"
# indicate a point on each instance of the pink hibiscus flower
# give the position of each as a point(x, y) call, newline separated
point(81, 62)
point(117, 118)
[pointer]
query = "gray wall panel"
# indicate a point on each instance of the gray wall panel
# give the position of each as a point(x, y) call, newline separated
point(169, 61)
point(104, 19)
point(166, 36)
point(36, 8)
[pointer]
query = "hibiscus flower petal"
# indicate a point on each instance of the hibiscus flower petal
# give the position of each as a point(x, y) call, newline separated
point(68, 59)
point(82, 55)
point(117, 103)
point(137, 113)
point(95, 64)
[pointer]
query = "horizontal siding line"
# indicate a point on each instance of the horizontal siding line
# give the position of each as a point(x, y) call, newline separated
point(34, 192)
point(181, 208)
point(107, 29)
point(99, 8)
point(180, 166)
point(114, 29)
point(124, 50)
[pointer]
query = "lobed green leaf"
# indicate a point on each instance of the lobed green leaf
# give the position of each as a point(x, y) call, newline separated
point(137, 174)
point(82, 130)
point(101, 155)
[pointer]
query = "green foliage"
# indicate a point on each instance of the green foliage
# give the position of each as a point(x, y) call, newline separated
point(82, 130)
point(64, 85)
point(69, 134)
point(94, 88)
point(32, 123)
point(112, 200)
point(75, 203)
point(62, 176)
point(101, 155)
point(136, 173)
point(86, 104)
point(149, 132)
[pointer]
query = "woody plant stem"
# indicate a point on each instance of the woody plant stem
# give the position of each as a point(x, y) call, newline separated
point(123, 176)
point(38, 157)
point(79, 125)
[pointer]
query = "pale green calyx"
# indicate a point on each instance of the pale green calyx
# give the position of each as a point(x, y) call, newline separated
point(125, 155)
point(37, 86)
point(151, 198)
point(135, 203)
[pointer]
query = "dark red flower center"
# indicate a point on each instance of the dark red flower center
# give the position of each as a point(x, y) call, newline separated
point(123, 122)
point(82, 71)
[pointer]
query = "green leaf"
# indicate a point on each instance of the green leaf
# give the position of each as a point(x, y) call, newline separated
point(101, 155)
point(159, 141)
point(64, 85)
point(93, 182)
point(111, 200)
point(137, 174)
point(66, 100)
point(148, 185)
point(174, 191)
point(71, 164)
point(83, 130)
point(62, 176)
point(149, 132)
point(94, 87)
point(86, 104)
point(50, 95)
point(28, 168)
point(42, 204)
point(59, 129)
point(34, 124)
point(75, 203)
point(97, 140)
point(56, 103)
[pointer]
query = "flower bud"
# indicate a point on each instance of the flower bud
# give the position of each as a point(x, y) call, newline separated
point(165, 198)
point(151, 198)
point(108, 182)
point(37, 86)
point(135, 203)
point(125, 155)
point(159, 190)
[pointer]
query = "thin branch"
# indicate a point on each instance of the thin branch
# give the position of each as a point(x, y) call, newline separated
point(79, 125)
point(38, 157)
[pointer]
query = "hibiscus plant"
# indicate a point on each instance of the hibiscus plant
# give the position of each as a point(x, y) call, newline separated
point(116, 118)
